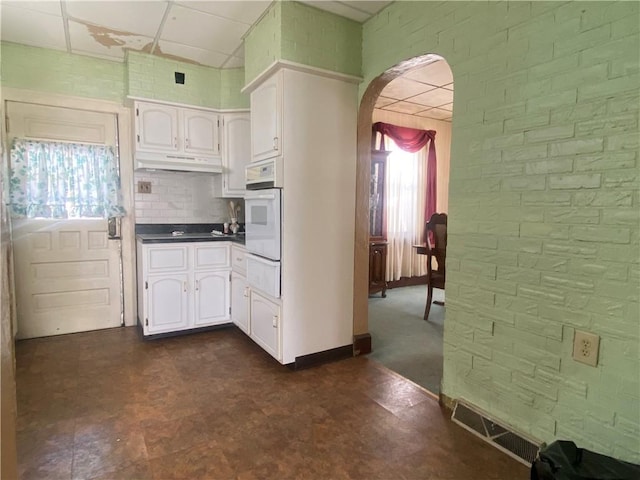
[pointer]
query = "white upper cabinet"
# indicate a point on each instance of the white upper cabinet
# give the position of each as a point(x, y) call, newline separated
point(176, 138)
point(201, 132)
point(266, 119)
point(156, 127)
point(236, 152)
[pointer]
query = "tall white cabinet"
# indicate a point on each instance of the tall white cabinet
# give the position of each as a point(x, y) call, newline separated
point(308, 120)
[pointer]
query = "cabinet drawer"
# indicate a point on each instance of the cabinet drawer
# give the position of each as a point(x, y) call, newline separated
point(167, 259)
point(211, 256)
point(238, 259)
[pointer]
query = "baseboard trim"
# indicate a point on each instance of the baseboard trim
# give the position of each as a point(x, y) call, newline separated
point(407, 282)
point(361, 344)
point(318, 358)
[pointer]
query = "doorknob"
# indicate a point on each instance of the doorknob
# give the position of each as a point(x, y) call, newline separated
point(113, 228)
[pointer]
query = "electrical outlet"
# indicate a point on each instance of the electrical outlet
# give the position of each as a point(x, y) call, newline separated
point(585, 347)
point(144, 187)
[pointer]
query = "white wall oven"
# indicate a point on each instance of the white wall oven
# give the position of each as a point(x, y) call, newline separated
point(263, 240)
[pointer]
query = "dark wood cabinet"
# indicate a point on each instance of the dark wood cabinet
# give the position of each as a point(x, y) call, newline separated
point(377, 224)
point(377, 267)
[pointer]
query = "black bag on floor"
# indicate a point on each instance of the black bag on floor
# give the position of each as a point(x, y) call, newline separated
point(562, 460)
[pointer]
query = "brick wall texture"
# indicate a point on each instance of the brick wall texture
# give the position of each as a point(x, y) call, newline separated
point(544, 207)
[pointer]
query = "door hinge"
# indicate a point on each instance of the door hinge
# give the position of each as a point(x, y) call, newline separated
point(137, 113)
point(229, 276)
point(229, 310)
point(146, 322)
point(146, 285)
point(138, 138)
point(218, 123)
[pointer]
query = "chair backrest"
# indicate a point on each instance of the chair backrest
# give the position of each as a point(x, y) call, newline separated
point(435, 234)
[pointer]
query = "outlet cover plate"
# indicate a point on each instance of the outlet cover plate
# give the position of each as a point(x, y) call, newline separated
point(144, 187)
point(585, 348)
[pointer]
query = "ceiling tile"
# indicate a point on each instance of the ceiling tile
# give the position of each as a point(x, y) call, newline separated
point(203, 31)
point(245, 11)
point(437, 73)
point(436, 113)
point(35, 28)
point(404, 107)
point(198, 55)
point(434, 98)
point(402, 88)
point(51, 8)
point(383, 101)
point(142, 18)
point(96, 40)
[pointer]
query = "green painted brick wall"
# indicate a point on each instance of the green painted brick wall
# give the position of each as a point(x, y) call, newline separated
point(262, 44)
point(231, 82)
point(544, 207)
point(142, 75)
point(153, 77)
point(42, 69)
point(320, 39)
point(303, 34)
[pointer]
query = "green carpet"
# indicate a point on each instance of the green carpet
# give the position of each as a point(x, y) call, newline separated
point(402, 341)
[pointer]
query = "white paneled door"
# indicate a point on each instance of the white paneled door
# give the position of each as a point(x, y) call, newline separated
point(67, 276)
point(67, 272)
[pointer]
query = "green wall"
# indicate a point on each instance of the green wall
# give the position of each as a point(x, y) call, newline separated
point(46, 70)
point(303, 34)
point(544, 209)
point(142, 75)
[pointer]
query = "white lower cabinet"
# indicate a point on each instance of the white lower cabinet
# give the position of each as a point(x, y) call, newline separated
point(265, 324)
point(183, 286)
point(240, 301)
point(212, 296)
point(167, 301)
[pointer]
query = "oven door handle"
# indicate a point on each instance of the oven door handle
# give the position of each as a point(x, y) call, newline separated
point(262, 196)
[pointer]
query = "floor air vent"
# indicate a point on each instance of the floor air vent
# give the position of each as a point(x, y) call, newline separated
point(499, 436)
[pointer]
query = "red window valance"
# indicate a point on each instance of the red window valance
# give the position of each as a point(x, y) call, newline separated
point(412, 140)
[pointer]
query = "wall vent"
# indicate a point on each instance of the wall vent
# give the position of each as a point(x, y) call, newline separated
point(498, 435)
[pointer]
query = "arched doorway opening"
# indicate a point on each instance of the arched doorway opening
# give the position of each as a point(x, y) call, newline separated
point(405, 96)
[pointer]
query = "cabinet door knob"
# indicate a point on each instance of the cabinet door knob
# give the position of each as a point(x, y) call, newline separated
point(175, 142)
point(184, 286)
point(188, 143)
point(246, 292)
point(275, 143)
point(197, 285)
point(275, 321)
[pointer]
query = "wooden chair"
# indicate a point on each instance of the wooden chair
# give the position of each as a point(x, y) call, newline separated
point(435, 239)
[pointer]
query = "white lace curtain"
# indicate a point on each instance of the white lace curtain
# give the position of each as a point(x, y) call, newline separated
point(405, 204)
point(63, 180)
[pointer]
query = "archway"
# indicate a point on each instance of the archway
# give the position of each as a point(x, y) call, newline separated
point(362, 338)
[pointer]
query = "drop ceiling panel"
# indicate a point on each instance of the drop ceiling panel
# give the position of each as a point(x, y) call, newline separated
point(436, 113)
point(31, 27)
point(89, 39)
point(434, 98)
point(437, 73)
point(201, 30)
point(194, 54)
point(405, 107)
point(246, 12)
point(383, 101)
point(142, 18)
point(51, 8)
point(340, 8)
point(402, 88)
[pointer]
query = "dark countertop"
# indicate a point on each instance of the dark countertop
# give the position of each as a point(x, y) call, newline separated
point(161, 233)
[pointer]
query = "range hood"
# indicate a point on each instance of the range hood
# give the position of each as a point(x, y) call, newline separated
point(178, 163)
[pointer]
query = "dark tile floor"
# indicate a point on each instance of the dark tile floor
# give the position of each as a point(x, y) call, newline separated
point(107, 405)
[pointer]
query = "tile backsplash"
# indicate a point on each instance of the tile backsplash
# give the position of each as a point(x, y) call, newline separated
point(181, 197)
